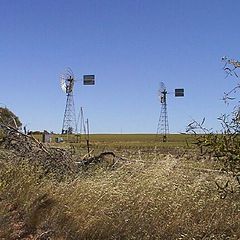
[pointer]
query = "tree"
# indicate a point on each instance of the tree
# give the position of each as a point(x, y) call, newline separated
point(224, 146)
point(7, 117)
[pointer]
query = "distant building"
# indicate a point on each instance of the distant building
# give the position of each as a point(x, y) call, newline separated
point(46, 137)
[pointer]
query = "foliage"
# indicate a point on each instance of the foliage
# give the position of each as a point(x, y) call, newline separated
point(7, 117)
point(224, 146)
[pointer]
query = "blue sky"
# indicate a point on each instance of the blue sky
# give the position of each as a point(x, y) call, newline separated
point(131, 46)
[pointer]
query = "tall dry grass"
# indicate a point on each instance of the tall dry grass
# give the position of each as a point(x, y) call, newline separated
point(162, 198)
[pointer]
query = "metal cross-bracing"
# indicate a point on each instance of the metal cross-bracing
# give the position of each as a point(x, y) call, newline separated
point(69, 119)
point(163, 126)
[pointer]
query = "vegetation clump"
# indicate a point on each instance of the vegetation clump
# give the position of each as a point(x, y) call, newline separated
point(224, 146)
point(7, 117)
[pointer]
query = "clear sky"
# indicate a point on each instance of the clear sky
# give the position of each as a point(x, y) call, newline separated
point(131, 46)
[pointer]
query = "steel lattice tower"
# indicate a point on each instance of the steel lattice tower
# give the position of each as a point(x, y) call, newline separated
point(163, 126)
point(69, 120)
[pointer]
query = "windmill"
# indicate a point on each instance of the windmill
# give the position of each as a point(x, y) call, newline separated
point(69, 120)
point(67, 81)
point(163, 126)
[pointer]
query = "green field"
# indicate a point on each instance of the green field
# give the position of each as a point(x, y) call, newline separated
point(139, 139)
point(129, 141)
point(125, 144)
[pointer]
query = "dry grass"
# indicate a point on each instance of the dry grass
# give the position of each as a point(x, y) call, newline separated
point(159, 198)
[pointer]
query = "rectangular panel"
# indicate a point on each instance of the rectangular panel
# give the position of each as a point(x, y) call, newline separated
point(88, 79)
point(179, 92)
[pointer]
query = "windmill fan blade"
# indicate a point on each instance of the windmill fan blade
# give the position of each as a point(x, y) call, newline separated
point(69, 73)
point(67, 81)
point(63, 84)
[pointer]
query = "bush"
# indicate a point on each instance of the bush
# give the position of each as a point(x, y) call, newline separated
point(9, 118)
point(224, 146)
